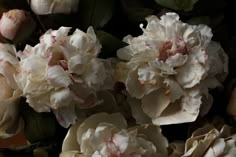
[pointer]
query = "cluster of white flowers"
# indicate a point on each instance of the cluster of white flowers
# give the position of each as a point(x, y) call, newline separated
point(63, 72)
point(167, 72)
point(59, 74)
point(170, 68)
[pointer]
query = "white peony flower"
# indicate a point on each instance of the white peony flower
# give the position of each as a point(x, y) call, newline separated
point(62, 72)
point(103, 135)
point(170, 68)
point(42, 7)
point(10, 122)
point(207, 141)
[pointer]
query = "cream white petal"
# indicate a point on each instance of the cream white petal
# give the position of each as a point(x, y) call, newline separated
point(190, 75)
point(175, 90)
point(8, 53)
point(191, 101)
point(92, 122)
point(78, 63)
point(135, 88)
point(216, 149)
point(155, 103)
point(58, 77)
point(147, 75)
point(42, 7)
point(70, 140)
point(206, 35)
point(95, 74)
point(10, 122)
point(7, 70)
point(177, 60)
point(190, 37)
point(39, 102)
point(86, 42)
point(153, 133)
point(124, 53)
point(61, 98)
point(174, 115)
point(165, 69)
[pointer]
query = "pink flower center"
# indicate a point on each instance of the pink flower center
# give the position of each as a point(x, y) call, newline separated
point(171, 48)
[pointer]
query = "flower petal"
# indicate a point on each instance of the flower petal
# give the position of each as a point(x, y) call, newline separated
point(155, 103)
point(190, 75)
point(92, 122)
point(135, 88)
point(10, 122)
point(137, 111)
point(58, 77)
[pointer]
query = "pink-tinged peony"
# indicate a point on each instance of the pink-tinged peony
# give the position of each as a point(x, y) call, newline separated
point(42, 7)
point(106, 135)
point(10, 122)
point(62, 73)
point(170, 68)
point(16, 25)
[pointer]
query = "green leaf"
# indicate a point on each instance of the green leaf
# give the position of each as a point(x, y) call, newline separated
point(136, 10)
point(185, 5)
point(38, 126)
point(95, 13)
point(110, 44)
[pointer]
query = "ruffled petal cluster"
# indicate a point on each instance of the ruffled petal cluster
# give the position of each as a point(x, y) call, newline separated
point(63, 72)
point(170, 68)
point(207, 141)
point(103, 135)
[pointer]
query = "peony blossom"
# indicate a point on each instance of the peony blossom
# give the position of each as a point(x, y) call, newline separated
point(170, 68)
point(42, 7)
point(63, 72)
point(207, 141)
point(16, 25)
point(10, 122)
point(103, 135)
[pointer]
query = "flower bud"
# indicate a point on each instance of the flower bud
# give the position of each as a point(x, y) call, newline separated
point(43, 7)
point(16, 25)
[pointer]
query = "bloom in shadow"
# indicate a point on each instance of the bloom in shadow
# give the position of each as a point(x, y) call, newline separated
point(170, 68)
point(10, 122)
point(63, 72)
point(107, 135)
